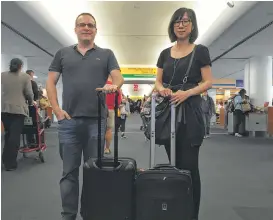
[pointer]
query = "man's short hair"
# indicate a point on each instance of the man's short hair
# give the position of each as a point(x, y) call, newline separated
point(29, 72)
point(82, 14)
point(242, 92)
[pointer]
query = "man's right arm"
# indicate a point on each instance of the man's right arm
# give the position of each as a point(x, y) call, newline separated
point(51, 89)
point(52, 80)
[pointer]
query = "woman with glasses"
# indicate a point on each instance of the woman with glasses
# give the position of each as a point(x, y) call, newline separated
point(172, 65)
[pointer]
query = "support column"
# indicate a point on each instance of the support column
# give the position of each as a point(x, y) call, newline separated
point(258, 80)
point(6, 58)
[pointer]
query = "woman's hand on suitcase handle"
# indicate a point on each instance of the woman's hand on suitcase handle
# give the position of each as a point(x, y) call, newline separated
point(179, 97)
point(165, 92)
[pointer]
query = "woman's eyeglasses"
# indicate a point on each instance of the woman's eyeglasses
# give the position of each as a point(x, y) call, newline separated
point(185, 23)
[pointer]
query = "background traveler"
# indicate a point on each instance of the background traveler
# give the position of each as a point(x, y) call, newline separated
point(33, 84)
point(239, 99)
point(124, 113)
point(16, 95)
point(208, 108)
point(110, 102)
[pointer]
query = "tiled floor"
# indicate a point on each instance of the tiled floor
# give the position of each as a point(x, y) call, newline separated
point(237, 177)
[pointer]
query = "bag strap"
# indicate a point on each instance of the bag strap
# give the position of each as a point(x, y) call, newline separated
point(185, 79)
point(187, 72)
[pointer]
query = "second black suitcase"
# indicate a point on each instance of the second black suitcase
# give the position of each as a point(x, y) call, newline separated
point(163, 192)
point(108, 183)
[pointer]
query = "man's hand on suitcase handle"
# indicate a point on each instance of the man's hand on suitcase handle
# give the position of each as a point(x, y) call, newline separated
point(108, 88)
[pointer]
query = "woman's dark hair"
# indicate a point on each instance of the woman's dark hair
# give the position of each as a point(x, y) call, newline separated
point(242, 92)
point(180, 13)
point(15, 65)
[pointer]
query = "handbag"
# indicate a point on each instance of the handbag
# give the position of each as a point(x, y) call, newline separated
point(246, 107)
point(44, 103)
point(163, 111)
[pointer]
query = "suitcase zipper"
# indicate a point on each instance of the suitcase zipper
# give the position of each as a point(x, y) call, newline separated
point(150, 171)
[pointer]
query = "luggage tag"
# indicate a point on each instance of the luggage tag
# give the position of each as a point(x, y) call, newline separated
point(28, 121)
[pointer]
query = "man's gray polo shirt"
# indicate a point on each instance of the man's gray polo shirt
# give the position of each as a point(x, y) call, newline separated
point(81, 75)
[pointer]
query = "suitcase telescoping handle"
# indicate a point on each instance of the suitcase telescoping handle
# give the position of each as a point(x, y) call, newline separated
point(99, 130)
point(116, 130)
point(153, 129)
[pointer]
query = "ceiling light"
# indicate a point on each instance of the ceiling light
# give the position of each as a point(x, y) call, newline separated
point(35, 77)
point(230, 4)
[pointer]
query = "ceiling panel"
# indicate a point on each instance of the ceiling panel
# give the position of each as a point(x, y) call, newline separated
point(12, 43)
point(259, 45)
point(139, 18)
point(260, 15)
point(129, 49)
point(137, 32)
point(12, 14)
point(228, 68)
point(37, 60)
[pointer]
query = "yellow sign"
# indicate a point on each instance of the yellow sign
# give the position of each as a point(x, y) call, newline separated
point(138, 71)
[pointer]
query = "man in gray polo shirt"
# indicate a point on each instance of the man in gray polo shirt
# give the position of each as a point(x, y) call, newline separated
point(84, 68)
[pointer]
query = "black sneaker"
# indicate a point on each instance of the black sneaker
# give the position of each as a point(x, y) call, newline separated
point(11, 168)
point(123, 135)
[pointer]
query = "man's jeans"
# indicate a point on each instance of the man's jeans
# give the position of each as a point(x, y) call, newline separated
point(76, 135)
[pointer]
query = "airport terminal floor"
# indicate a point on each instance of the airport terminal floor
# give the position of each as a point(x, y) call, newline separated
point(236, 175)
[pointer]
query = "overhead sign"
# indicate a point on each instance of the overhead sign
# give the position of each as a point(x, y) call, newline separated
point(135, 71)
point(135, 87)
point(138, 75)
point(240, 83)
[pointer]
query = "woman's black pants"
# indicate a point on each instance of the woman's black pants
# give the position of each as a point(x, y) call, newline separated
point(187, 157)
point(13, 125)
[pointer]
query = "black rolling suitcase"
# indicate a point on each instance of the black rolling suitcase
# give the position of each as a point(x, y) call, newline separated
point(163, 192)
point(108, 183)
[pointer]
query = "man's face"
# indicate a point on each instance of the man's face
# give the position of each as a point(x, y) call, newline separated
point(86, 28)
point(31, 74)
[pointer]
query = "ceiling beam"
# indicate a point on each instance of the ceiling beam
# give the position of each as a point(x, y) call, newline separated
point(243, 40)
point(25, 38)
point(227, 18)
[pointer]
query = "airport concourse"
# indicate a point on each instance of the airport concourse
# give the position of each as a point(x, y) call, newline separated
point(137, 110)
